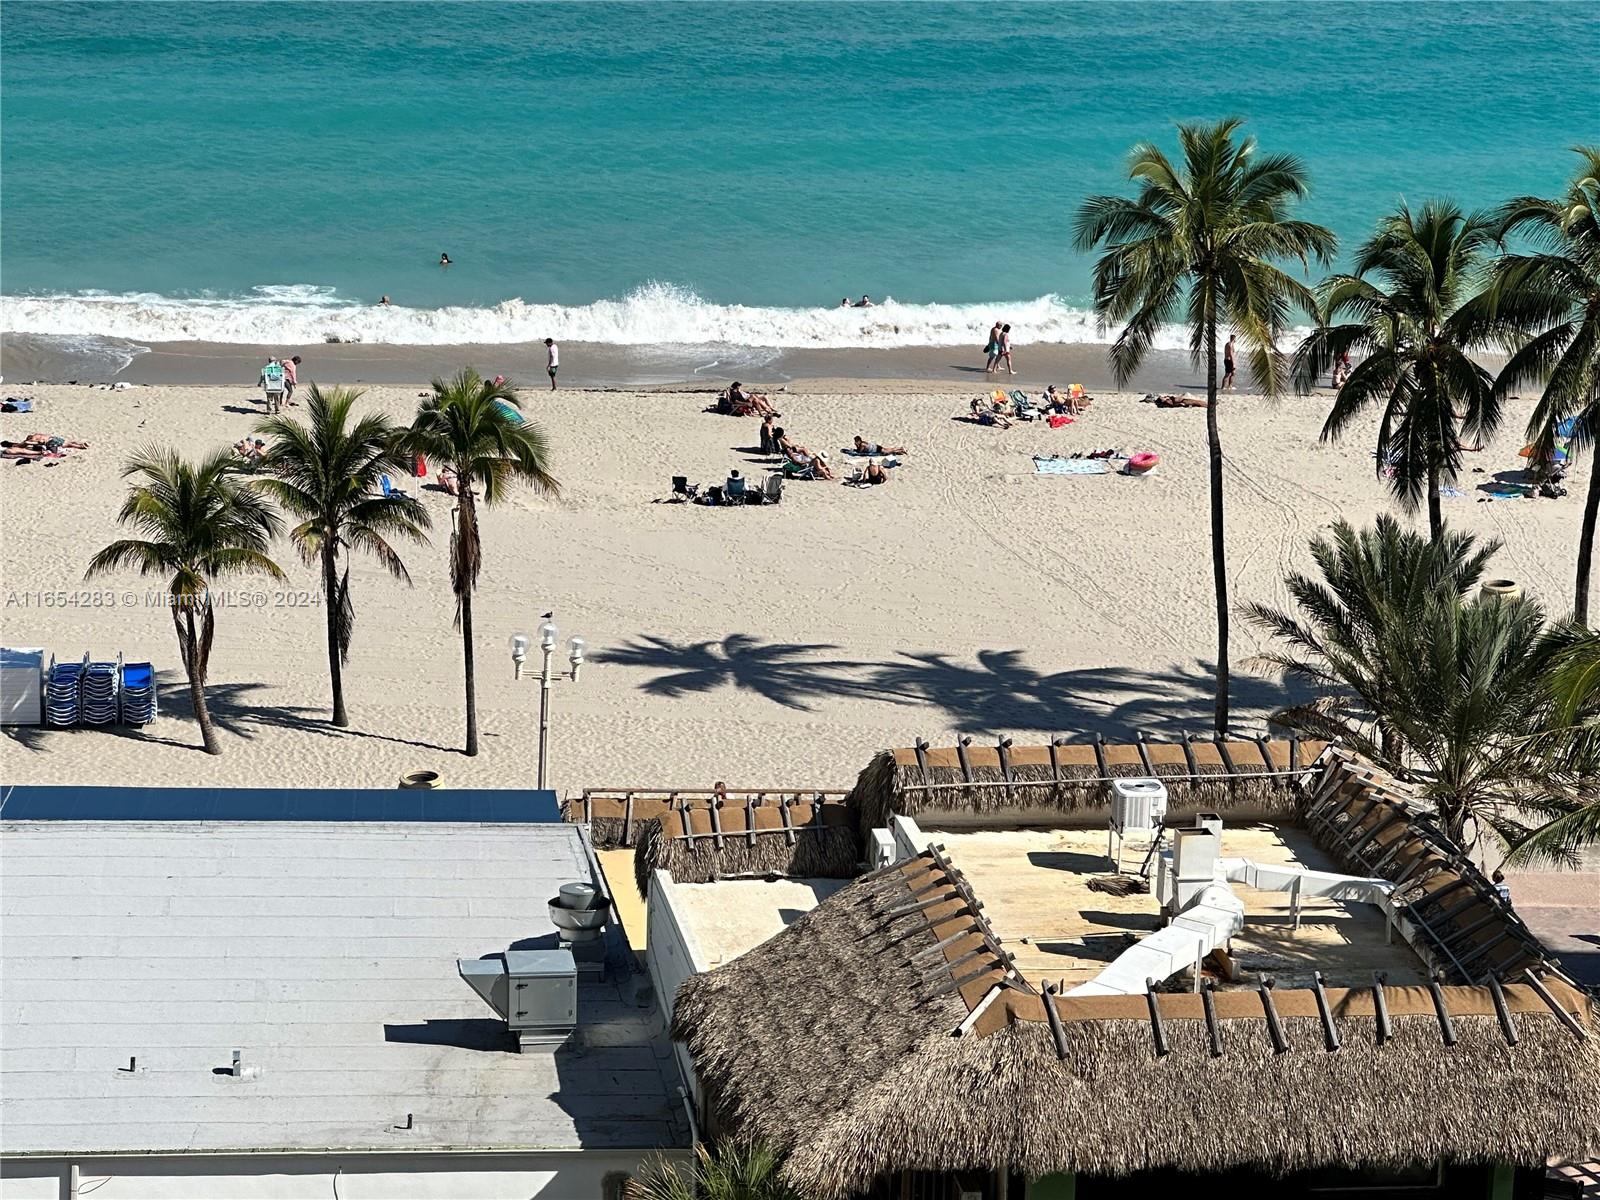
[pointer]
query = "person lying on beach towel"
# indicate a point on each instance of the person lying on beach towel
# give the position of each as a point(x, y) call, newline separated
point(49, 441)
point(1183, 401)
point(873, 475)
point(865, 447)
point(983, 414)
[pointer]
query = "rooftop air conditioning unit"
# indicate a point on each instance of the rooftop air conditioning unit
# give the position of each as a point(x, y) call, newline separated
point(535, 992)
point(1137, 804)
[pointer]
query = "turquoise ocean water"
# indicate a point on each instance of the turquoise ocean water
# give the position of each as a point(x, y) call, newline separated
point(689, 173)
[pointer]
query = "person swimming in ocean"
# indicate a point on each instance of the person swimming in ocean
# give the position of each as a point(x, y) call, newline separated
point(864, 302)
point(444, 260)
point(384, 303)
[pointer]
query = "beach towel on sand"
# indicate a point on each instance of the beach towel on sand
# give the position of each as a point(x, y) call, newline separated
point(1069, 466)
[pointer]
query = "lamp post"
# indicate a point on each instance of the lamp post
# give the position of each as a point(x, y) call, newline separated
point(548, 636)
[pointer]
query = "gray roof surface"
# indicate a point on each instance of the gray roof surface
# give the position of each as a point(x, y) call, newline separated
point(326, 952)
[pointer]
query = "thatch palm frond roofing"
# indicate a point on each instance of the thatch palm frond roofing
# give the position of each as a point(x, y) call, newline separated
point(815, 841)
point(1256, 779)
point(837, 1043)
point(616, 816)
point(1373, 824)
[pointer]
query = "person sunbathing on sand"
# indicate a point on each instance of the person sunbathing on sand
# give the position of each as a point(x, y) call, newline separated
point(875, 474)
point(1064, 400)
point(739, 398)
point(51, 441)
point(984, 415)
point(447, 481)
point(865, 447)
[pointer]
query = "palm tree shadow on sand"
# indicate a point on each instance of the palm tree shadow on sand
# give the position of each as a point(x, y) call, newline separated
point(786, 673)
point(998, 691)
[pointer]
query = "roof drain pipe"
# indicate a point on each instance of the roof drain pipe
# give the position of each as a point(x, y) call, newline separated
point(688, 1109)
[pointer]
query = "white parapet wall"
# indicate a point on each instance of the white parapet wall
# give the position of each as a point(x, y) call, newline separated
point(671, 956)
point(529, 1175)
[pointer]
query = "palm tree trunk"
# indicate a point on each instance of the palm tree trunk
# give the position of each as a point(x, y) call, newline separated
point(1435, 511)
point(330, 600)
point(472, 689)
point(189, 644)
point(1591, 506)
point(1219, 556)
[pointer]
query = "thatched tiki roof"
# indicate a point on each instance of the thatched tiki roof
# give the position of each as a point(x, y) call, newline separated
point(616, 816)
point(1241, 780)
point(885, 1031)
point(695, 845)
point(1374, 826)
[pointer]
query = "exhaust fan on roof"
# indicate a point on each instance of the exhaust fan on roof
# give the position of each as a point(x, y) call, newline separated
point(535, 992)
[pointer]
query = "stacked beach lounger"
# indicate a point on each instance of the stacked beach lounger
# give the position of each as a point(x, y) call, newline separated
point(138, 693)
point(63, 693)
point(81, 692)
point(101, 685)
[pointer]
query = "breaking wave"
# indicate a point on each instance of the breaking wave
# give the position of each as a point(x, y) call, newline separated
point(654, 314)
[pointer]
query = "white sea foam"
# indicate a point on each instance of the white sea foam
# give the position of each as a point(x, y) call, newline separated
point(654, 314)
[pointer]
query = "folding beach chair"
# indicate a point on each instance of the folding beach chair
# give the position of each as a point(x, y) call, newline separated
point(389, 490)
point(774, 489)
point(793, 470)
point(682, 490)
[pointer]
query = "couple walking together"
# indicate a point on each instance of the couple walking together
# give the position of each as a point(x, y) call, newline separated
point(998, 350)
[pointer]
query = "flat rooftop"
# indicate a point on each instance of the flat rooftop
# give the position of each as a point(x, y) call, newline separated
point(734, 915)
point(1034, 885)
point(326, 953)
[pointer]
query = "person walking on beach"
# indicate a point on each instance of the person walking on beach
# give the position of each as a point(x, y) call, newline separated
point(1227, 364)
point(552, 360)
point(271, 384)
point(1005, 350)
point(291, 377)
point(991, 351)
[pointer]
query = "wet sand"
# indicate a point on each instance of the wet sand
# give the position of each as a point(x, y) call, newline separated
point(27, 357)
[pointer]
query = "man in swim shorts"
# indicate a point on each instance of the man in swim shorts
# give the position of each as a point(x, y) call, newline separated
point(552, 360)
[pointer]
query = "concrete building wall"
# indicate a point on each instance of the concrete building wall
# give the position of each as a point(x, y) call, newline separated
point(581, 1175)
point(671, 957)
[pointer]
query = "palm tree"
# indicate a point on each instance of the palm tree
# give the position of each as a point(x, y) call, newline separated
point(472, 426)
point(1198, 244)
point(1414, 325)
point(1571, 746)
point(1442, 691)
point(732, 1172)
point(1374, 583)
point(1557, 292)
point(327, 475)
point(199, 523)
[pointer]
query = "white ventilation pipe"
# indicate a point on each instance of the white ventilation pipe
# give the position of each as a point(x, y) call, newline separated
point(1214, 915)
point(1269, 877)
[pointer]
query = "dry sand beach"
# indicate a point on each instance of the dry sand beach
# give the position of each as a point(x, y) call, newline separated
point(764, 646)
